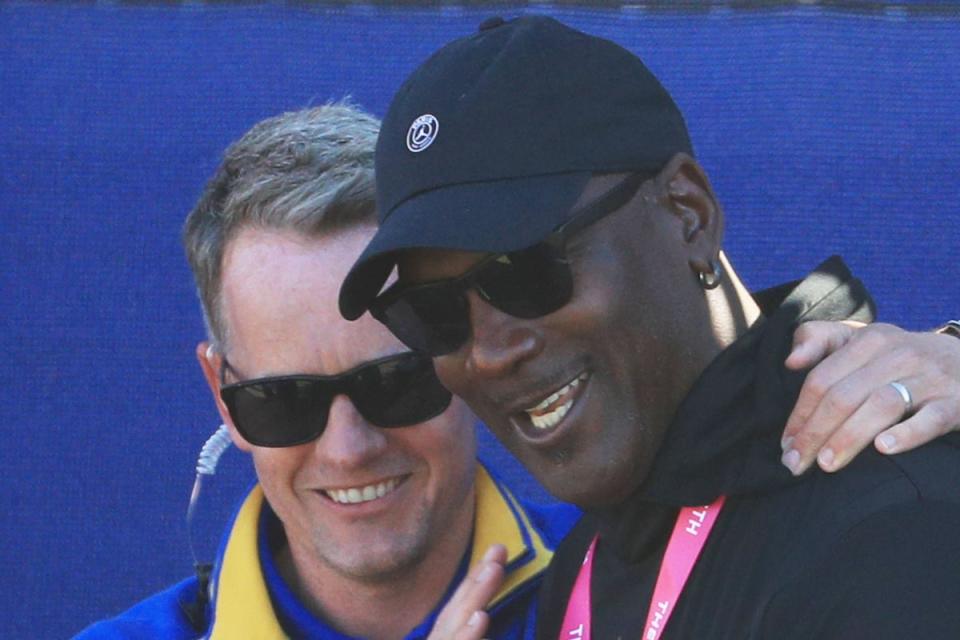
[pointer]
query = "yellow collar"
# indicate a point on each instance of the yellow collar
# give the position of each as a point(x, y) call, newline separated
point(241, 602)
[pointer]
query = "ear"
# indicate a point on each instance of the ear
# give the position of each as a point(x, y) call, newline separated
point(690, 197)
point(210, 363)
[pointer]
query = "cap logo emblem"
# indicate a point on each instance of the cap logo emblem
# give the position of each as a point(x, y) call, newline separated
point(422, 133)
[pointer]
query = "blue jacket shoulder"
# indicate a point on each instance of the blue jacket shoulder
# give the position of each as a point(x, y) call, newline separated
point(162, 615)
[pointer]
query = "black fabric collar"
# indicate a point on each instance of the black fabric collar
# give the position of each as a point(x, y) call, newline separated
point(725, 438)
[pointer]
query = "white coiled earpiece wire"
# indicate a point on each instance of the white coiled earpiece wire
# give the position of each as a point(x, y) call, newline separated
point(213, 448)
point(207, 461)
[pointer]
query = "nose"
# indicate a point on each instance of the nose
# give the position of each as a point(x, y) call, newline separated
point(348, 440)
point(499, 342)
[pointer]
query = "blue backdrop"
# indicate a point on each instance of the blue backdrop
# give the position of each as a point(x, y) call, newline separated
point(823, 132)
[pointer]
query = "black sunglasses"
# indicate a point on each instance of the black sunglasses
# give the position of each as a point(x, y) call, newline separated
point(434, 317)
point(282, 411)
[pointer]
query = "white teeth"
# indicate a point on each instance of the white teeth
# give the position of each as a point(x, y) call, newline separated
point(356, 495)
point(551, 418)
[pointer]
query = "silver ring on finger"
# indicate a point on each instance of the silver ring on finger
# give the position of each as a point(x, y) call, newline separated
point(905, 395)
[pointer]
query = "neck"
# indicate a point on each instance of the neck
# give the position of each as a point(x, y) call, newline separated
point(356, 606)
point(732, 309)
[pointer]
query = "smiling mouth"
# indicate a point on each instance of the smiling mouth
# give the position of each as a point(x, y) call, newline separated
point(549, 412)
point(365, 493)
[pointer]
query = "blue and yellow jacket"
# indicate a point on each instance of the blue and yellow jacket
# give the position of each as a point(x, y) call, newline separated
point(241, 606)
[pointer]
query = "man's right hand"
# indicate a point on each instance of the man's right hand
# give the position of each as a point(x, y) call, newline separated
point(464, 618)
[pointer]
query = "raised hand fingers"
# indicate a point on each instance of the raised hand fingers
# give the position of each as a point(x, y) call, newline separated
point(463, 617)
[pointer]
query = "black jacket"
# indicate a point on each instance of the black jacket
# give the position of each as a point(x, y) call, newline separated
point(869, 552)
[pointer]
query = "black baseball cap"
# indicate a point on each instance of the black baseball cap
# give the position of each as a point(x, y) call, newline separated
point(489, 143)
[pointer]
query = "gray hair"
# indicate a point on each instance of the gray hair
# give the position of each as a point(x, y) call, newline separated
point(309, 170)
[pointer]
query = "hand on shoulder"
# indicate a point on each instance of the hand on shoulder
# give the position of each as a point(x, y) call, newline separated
point(849, 398)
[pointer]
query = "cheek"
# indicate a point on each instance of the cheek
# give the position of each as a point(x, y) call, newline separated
point(447, 447)
point(277, 468)
point(276, 473)
point(446, 442)
point(603, 291)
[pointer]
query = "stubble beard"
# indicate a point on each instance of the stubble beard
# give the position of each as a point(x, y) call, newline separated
point(386, 555)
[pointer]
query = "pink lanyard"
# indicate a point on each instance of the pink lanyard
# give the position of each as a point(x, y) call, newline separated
point(689, 536)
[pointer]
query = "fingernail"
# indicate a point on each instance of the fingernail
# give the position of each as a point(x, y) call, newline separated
point(490, 553)
point(825, 458)
point(791, 460)
point(887, 442)
point(786, 442)
point(474, 619)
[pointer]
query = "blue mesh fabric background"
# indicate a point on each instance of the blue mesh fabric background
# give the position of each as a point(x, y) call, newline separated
point(824, 131)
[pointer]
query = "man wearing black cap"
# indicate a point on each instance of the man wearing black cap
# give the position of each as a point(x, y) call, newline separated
point(560, 254)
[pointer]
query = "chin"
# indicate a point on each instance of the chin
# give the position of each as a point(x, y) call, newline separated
point(591, 496)
point(592, 485)
point(375, 562)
